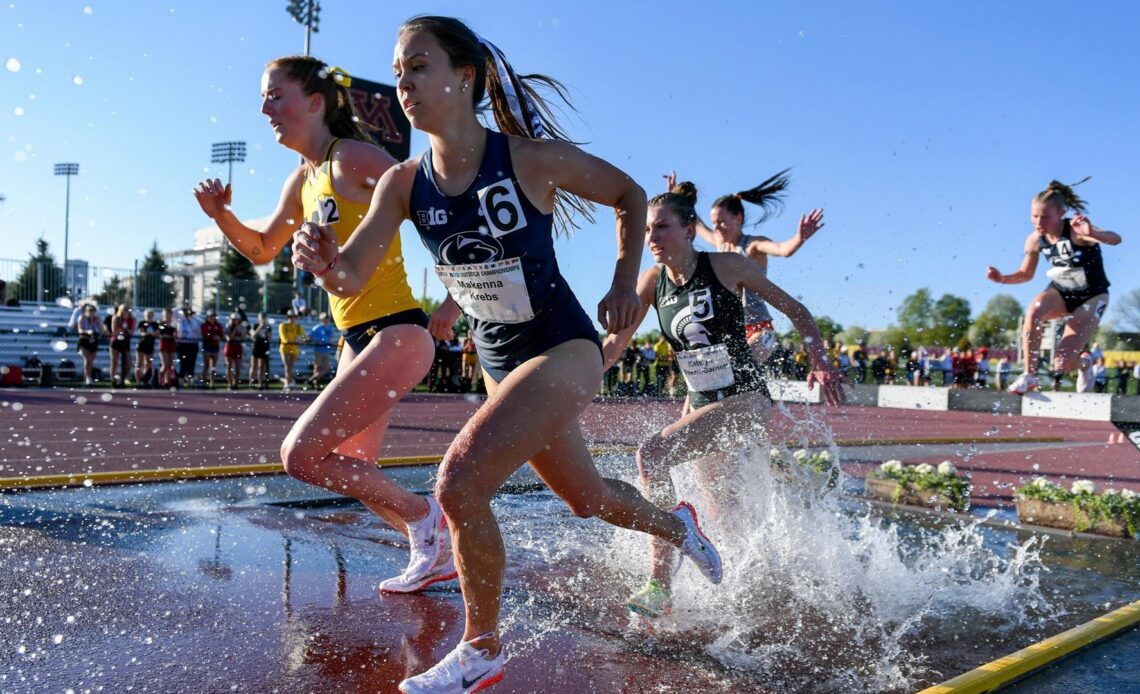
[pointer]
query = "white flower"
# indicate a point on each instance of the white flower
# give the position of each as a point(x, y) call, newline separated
point(1083, 487)
point(775, 453)
point(1128, 494)
point(800, 455)
point(924, 468)
point(1112, 492)
point(823, 457)
point(1042, 483)
point(946, 468)
point(891, 466)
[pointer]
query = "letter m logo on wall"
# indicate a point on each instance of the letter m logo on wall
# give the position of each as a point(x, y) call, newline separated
point(379, 110)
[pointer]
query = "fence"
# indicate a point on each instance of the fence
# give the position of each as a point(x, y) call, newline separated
point(41, 282)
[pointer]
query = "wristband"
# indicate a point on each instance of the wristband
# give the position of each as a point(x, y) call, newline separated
point(330, 266)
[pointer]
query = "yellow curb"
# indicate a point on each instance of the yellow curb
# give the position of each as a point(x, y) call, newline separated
point(853, 443)
point(1002, 671)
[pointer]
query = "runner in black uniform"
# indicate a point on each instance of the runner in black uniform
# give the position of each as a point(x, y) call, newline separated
point(697, 297)
point(1078, 286)
point(484, 205)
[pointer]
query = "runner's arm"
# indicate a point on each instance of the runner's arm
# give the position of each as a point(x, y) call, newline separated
point(1028, 265)
point(615, 343)
point(260, 246)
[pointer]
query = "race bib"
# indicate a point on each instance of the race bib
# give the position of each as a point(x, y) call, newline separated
point(706, 368)
point(494, 292)
point(1070, 278)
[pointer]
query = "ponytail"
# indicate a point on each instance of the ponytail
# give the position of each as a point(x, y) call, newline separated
point(769, 196)
point(1062, 196)
point(516, 102)
point(332, 83)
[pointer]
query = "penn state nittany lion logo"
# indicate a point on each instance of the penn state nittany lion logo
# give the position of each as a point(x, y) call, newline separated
point(470, 248)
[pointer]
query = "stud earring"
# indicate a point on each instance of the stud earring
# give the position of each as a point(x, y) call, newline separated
point(464, 87)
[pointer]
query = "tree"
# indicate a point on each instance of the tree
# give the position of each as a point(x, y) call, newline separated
point(951, 319)
point(237, 282)
point(40, 279)
point(996, 325)
point(915, 313)
point(828, 328)
point(114, 293)
point(897, 339)
point(855, 335)
point(1128, 312)
point(155, 285)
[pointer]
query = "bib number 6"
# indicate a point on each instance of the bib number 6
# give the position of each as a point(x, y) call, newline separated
point(501, 207)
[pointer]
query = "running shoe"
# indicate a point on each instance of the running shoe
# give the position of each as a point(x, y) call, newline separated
point(463, 671)
point(652, 601)
point(696, 546)
point(427, 539)
point(443, 571)
point(1024, 383)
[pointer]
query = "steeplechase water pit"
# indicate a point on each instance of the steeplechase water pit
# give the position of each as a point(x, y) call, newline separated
point(257, 582)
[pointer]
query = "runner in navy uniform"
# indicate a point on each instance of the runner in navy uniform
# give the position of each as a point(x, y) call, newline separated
point(697, 297)
point(1078, 286)
point(484, 204)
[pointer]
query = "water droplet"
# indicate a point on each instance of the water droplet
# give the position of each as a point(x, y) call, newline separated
point(12, 65)
point(77, 80)
point(182, 420)
point(106, 397)
point(392, 394)
point(447, 90)
point(81, 400)
point(19, 111)
point(88, 482)
point(17, 406)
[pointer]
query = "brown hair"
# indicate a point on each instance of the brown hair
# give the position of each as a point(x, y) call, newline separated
point(315, 77)
point(1062, 196)
point(769, 196)
point(464, 47)
point(681, 199)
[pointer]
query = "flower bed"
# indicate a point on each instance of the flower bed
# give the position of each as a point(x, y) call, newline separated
point(919, 485)
point(820, 467)
point(1113, 512)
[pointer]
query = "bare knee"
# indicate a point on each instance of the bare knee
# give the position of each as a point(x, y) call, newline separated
point(458, 491)
point(301, 462)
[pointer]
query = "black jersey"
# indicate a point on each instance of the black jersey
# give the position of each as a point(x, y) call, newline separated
point(1077, 271)
point(704, 323)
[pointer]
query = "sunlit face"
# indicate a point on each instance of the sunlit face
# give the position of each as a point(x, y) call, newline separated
point(1046, 218)
point(666, 237)
point(726, 223)
point(291, 112)
point(428, 87)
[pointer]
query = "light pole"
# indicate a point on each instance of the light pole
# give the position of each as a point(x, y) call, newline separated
point(68, 170)
point(307, 13)
point(227, 153)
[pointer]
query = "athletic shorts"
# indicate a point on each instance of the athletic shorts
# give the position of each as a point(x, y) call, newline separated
point(358, 336)
point(233, 350)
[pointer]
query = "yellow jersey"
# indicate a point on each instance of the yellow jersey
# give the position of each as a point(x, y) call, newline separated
point(290, 335)
point(387, 290)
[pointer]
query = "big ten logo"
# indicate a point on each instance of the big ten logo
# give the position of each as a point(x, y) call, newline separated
point(431, 217)
point(700, 304)
point(326, 212)
point(499, 203)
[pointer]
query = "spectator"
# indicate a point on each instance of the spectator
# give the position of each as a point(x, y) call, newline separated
point(983, 367)
point(472, 374)
point(1121, 378)
point(1136, 374)
point(802, 363)
point(4, 299)
point(1085, 378)
point(145, 374)
point(629, 370)
point(298, 305)
point(167, 348)
point(891, 367)
point(321, 337)
point(90, 329)
point(259, 354)
point(844, 365)
point(122, 328)
point(1100, 376)
point(454, 365)
point(648, 357)
point(189, 337)
point(1004, 371)
point(946, 366)
point(290, 334)
point(859, 360)
point(878, 368)
point(212, 334)
point(664, 367)
point(234, 350)
point(913, 369)
point(79, 311)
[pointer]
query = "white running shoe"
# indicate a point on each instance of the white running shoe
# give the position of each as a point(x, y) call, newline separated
point(462, 671)
point(696, 546)
point(443, 571)
point(1024, 383)
point(427, 539)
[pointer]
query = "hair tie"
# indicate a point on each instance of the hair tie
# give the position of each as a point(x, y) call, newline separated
point(738, 196)
point(523, 111)
point(339, 75)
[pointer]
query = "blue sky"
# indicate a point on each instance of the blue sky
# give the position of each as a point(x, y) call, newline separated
point(923, 129)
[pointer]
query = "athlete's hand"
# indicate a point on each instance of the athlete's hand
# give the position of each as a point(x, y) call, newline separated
point(442, 321)
point(993, 274)
point(213, 197)
point(1082, 228)
point(670, 180)
point(619, 308)
point(314, 248)
point(810, 223)
point(830, 383)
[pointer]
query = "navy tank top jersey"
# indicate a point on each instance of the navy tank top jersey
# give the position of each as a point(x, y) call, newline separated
point(704, 323)
point(494, 251)
point(1077, 271)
